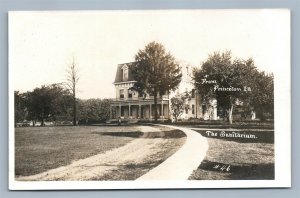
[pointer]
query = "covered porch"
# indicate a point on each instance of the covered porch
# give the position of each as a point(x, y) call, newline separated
point(139, 109)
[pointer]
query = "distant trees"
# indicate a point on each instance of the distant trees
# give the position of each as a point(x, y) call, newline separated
point(20, 108)
point(42, 103)
point(93, 110)
point(232, 81)
point(156, 72)
point(55, 102)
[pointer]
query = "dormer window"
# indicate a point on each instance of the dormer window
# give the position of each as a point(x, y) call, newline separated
point(125, 73)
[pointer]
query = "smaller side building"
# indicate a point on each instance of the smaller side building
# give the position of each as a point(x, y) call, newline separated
point(195, 108)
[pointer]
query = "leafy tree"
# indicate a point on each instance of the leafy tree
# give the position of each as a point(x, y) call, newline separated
point(61, 102)
point(178, 106)
point(155, 71)
point(20, 108)
point(232, 81)
point(94, 110)
point(38, 104)
point(47, 102)
point(261, 99)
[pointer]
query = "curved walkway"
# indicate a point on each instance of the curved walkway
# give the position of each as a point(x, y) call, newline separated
point(182, 163)
point(177, 167)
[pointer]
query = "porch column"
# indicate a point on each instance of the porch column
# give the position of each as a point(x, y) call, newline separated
point(139, 116)
point(168, 110)
point(162, 110)
point(215, 117)
point(110, 112)
point(196, 105)
point(129, 109)
point(150, 115)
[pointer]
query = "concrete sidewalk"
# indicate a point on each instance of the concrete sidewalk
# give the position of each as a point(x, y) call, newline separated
point(182, 163)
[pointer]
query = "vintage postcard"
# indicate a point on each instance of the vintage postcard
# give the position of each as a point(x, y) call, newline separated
point(148, 99)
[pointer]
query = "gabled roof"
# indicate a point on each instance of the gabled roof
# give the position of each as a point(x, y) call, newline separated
point(119, 73)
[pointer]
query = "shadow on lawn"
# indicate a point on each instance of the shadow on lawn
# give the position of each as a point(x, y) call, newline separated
point(128, 171)
point(244, 172)
point(260, 136)
point(138, 134)
point(133, 134)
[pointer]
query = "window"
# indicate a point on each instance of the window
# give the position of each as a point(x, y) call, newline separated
point(125, 73)
point(193, 109)
point(121, 93)
point(122, 112)
point(129, 94)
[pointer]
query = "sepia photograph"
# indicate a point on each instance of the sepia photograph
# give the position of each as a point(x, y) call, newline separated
point(148, 99)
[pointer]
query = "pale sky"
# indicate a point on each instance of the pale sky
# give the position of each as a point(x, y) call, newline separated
point(42, 44)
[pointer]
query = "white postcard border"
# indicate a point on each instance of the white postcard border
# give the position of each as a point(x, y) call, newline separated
point(282, 144)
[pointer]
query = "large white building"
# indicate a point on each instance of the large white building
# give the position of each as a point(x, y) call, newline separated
point(129, 105)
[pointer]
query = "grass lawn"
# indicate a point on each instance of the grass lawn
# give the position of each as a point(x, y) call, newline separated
point(225, 125)
point(38, 149)
point(230, 158)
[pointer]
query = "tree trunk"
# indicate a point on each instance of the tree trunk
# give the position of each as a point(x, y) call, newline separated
point(74, 110)
point(230, 114)
point(261, 114)
point(42, 123)
point(155, 105)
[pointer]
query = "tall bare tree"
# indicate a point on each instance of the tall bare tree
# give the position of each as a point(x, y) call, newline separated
point(72, 82)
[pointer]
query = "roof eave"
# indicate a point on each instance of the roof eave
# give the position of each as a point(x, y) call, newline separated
point(133, 81)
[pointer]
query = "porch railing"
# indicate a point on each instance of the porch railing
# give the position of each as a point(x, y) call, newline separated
point(140, 99)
